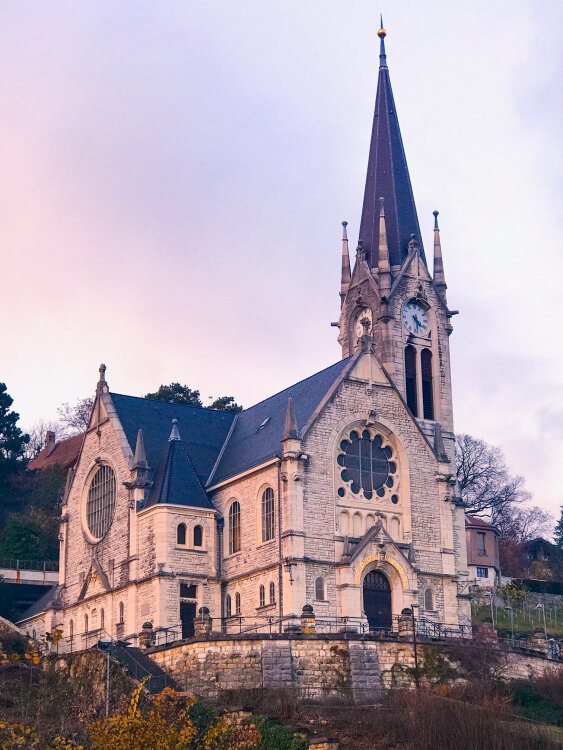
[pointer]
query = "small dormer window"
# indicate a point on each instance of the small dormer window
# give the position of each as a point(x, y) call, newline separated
point(264, 423)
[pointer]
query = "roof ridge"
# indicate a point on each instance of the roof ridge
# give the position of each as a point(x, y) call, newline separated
point(172, 403)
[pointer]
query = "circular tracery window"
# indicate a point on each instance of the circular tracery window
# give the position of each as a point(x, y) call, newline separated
point(101, 501)
point(367, 465)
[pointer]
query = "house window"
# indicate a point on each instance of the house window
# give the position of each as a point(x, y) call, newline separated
point(262, 596)
point(85, 623)
point(101, 501)
point(320, 589)
point(181, 534)
point(237, 604)
point(268, 514)
point(481, 543)
point(272, 593)
point(228, 606)
point(71, 629)
point(482, 572)
point(188, 591)
point(102, 619)
point(198, 536)
point(426, 374)
point(234, 527)
point(121, 613)
point(410, 379)
point(429, 599)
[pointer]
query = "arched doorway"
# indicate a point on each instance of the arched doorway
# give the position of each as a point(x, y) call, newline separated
point(377, 600)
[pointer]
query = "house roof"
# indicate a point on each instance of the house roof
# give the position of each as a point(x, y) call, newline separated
point(473, 521)
point(388, 178)
point(258, 430)
point(64, 454)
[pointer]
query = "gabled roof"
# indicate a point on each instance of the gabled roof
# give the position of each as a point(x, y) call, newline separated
point(203, 431)
point(474, 521)
point(49, 599)
point(388, 178)
point(64, 454)
point(258, 430)
point(175, 480)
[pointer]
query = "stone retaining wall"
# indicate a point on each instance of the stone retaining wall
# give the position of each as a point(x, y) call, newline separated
point(316, 666)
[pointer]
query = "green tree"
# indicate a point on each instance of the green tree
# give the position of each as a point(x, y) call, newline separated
point(558, 533)
point(12, 445)
point(25, 538)
point(226, 403)
point(176, 393)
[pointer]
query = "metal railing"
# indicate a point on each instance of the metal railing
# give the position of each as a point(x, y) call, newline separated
point(35, 565)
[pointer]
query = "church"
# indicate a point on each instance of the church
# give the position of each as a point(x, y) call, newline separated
point(338, 492)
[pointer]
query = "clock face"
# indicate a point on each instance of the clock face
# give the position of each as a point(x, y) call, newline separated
point(359, 327)
point(415, 319)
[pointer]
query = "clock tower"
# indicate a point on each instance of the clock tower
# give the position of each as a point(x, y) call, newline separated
point(390, 297)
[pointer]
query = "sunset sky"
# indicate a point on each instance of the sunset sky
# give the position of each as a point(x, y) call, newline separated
point(173, 177)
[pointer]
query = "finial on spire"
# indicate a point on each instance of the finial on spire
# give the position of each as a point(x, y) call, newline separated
point(102, 384)
point(174, 435)
point(439, 276)
point(346, 274)
point(381, 207)
point(344, 232)
point(102, 371)
point(382, 34)
point(290, 429)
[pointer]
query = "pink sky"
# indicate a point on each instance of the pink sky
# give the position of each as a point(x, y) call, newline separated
point(173, 177)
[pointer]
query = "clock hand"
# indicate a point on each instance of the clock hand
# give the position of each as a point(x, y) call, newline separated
point(417, 322)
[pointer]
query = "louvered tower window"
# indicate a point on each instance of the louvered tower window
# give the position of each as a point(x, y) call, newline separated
point(426, 372)
point(410, 379)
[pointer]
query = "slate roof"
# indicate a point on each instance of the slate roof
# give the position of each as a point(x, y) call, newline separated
point(175, 480)
point(388, 177)
point(203, 431)
point(471, 521)
point(250, 444)
point(50, 597)
point(64, 454)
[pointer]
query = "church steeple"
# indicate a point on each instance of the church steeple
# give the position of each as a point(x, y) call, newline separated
point(388, 177)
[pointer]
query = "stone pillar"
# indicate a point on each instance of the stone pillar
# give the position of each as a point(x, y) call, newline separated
point(147, 635)
point(202, 623)
point(539, 641)
point(405, 623)
point(308, 621)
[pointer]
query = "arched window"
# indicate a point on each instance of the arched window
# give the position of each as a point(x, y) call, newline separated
point(268, 514)
point(395, 528)
point(85, 623)
point(71, 629)
point(228, 606)
point(102, 619)
point(101, 501)
point(262, 597)
point(234, 527)
point(344, 523)
point(429, 599)
point(237, 604)
point(272, 593)
point(198, 536)
point(358, 524)
point(426, 374)
point(320, 589)
point(181, 533)
point(121, 613)
point(370, 520)
point(410, 379)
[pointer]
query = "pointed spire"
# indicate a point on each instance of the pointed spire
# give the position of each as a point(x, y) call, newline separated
point(174, 435)
point(383, 254)
point(439, 276)
point(140, 461)
point(290, 430)
point(346, 275)
point(388, 176)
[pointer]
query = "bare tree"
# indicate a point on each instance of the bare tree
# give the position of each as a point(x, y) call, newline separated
point(37, 433)
point(485, 484)
point(74, 418)
point(522, 523)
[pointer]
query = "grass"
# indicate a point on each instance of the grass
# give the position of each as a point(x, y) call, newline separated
point(525, 620)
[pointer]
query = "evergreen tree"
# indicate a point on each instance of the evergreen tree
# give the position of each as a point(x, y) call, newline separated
point(176, 393)
point(12, 445)
point(226, 403)
point(558, 533)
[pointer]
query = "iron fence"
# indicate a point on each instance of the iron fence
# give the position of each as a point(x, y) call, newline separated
point(35, 565)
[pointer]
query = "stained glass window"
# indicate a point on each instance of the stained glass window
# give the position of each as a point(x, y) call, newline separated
point(101, 501)
point(367, 464)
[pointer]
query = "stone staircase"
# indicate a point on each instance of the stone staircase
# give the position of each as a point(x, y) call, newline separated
point(139, 666)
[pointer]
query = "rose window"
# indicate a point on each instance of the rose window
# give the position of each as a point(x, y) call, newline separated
point(367, 465)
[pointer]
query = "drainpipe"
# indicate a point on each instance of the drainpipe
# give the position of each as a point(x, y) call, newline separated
point(280, 566)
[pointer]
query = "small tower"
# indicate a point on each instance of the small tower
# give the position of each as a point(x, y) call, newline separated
point(439, 276)
point(345, 274)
